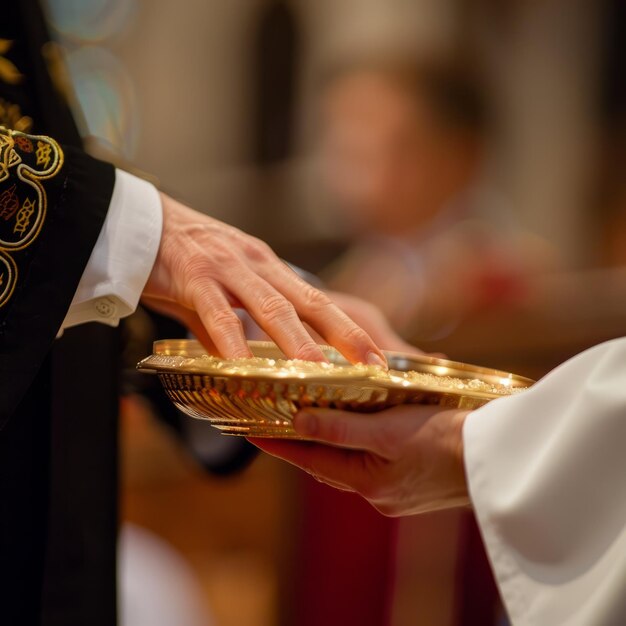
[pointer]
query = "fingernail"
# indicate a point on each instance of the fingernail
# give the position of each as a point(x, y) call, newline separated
point(305, 424)
point(376, 359)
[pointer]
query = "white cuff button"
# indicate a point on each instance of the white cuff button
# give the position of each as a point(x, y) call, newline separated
point(105, 307)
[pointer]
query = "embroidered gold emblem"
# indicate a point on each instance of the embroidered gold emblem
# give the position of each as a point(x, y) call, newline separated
point(14, 158)
point(23, 170)
point(9, 203)
point(24, 143)
point(6, 145)
point(22, 221)
point(8, 277)
point(43, 153)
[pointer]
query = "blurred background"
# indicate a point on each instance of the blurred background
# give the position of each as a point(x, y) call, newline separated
point(459, 163)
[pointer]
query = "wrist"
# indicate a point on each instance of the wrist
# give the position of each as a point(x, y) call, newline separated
point(457, 455)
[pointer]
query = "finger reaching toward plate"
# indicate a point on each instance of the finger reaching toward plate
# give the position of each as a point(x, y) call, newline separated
point(204, 268)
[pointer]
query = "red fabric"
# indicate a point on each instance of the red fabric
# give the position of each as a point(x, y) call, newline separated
point(344, 560)
point(477, 598)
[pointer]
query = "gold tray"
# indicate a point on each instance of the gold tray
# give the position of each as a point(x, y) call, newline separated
point(258, 397)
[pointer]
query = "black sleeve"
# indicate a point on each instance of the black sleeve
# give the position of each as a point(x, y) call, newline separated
point(53, 202)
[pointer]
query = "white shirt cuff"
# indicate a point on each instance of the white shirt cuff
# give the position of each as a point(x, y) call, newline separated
point(123, 256)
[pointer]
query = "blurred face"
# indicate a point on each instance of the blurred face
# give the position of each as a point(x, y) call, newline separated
point(387, 161)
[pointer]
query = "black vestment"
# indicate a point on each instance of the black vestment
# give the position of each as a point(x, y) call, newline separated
point(58, 413)
point(58, 398)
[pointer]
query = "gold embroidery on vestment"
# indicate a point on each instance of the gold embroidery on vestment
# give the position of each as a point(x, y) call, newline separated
point(22, 221)
point(9, 203)
point(43, 153)
point(27, 215)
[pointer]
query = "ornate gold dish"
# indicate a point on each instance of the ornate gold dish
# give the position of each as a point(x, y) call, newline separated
point(258, 397)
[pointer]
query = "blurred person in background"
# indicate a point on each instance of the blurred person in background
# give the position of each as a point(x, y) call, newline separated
point(403, 146)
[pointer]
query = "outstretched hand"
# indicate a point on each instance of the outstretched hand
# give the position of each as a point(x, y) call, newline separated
point(205, 268)
point(405, 460)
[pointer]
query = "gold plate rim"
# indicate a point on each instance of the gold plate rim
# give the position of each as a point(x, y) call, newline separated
point(188, 356)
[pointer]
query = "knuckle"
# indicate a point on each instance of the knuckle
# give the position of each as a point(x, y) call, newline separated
point(307, 351)
point(196, 269)
point(315, 299)
point(257, 250)
point(192, 266)
point(219, 257)
point(199, 288)
point(210, 260)
point(355, 334)
point(226, 321)
point(275, 307)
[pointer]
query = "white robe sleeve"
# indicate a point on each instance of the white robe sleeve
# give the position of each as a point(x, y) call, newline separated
point(123, 256)
point(547, 477)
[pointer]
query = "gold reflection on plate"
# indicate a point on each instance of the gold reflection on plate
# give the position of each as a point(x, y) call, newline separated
point(258, 397)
